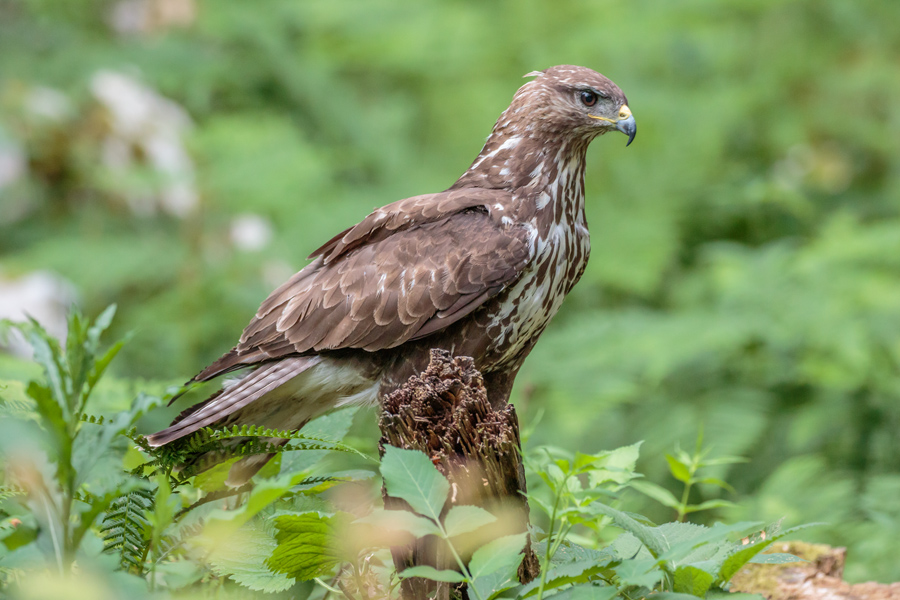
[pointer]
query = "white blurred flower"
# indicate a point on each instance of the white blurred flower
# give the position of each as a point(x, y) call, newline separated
point(12, 161)
point(48, 103)
point(42, 295)
point(145, 126)
point(250, 232)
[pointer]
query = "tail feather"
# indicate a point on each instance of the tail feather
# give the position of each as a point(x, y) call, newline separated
point(258, 383)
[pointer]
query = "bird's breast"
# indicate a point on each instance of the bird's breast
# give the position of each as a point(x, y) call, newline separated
point(525, 308)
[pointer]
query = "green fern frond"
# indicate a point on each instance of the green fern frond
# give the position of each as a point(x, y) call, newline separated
point(124, 528)
point(10, 491)
point(93, 419)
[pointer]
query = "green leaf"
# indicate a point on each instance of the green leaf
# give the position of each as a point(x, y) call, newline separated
point(333, 426)
point(491, 586)
point(776, 558)
point(242, 556)
point(304, 549)
point(717, 482)
point(707, 505)
point(464, 519)
point(410, 476)
point(499, 554)
point(657, 492)
point(433, 574)
point(679, 469)
point(743, 554)
point(578, 571)
point(687, 541)
point(163, 509)
point(642, 572)
point(588, 592)
point(99, 367)
point(101, 324)
point(401, 520)
point(264, 493)
point(691, 580)
point(48, 354)
point(671, 596)
point(655, 543)
point(615, 466)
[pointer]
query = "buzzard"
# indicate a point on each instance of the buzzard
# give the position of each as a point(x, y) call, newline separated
point(477, 270)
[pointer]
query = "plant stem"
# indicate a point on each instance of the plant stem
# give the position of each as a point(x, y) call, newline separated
point(459, 561)
point(682, 507)
point(547, 553)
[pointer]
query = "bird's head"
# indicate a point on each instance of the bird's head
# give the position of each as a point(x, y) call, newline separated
point(570, 100)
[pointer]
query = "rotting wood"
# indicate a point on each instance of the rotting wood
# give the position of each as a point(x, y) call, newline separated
point(818, 577)
point(445, 413)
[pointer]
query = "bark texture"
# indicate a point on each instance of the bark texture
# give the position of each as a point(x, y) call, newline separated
point(445, 413)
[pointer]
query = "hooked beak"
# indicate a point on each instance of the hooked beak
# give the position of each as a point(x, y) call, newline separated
point(625, 123)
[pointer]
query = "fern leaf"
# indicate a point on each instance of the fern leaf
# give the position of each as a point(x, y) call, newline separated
point(125, 526)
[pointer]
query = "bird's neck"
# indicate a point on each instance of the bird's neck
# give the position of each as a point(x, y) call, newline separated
point(544, 173)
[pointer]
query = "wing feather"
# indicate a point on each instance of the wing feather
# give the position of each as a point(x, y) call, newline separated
point(406, 271)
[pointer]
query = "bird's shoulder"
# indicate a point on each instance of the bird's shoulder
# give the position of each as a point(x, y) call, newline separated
point(410, 212)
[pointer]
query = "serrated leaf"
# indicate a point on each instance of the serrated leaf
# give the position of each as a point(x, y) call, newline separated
point(671, 596)
point(743, 555)
point(687, 541)
point(588, 592)
point(465, 519)
point(401, 520)
point(574, 572)
point(678, 469)
point(650, 538)
point(491, 586)
point(639, 572)
point(433, 574)
point(242, 556)
point(499, 554)
point(304, 549)
point(615, 466)
point(410, 476)
point(691, 580)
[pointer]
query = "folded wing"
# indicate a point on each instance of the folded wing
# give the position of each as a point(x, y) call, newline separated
point(406, 271)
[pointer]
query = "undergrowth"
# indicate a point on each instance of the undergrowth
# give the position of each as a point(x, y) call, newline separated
point(87, 504)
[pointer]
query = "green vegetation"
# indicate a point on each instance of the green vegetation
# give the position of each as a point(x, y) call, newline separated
point(157, 530)
point(744, 278)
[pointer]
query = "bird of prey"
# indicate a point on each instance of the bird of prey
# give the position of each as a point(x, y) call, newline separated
point(477, 270)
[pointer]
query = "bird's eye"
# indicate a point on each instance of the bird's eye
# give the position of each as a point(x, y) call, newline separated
point(588, 98)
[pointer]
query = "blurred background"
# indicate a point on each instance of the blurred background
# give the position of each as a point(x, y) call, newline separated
point(182, 157)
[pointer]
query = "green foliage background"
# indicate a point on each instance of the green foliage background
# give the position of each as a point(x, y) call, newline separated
point(745, 274)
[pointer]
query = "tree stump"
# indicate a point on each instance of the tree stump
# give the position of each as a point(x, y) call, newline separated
point(445, 413)
point(820, 577)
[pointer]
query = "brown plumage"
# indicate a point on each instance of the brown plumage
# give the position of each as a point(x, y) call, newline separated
point(478, 270)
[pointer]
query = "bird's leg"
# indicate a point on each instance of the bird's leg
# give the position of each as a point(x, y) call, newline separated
point(499, 385)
